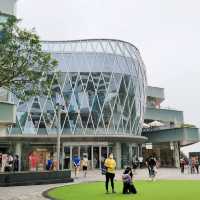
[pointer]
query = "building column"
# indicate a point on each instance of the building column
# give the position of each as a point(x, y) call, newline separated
point(107, 151)
point(92, 157)
point(130, 154)
point(79, 152)
point(18, 151)
point(118, 154)
point(140, 150)
point(99, 157)
point(62, 162)
point(71, 157)
point(176, 155)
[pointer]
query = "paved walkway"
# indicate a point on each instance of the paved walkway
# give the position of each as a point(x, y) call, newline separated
point(35, 192)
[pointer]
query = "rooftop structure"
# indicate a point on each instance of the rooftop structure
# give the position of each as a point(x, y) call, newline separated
point(166, 139)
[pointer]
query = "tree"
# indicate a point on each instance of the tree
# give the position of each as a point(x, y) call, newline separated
point(25, 69)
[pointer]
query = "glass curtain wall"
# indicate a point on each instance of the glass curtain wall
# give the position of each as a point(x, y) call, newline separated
point(101, 88)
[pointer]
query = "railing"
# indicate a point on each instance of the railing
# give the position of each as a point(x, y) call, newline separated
point(162, 107)
point(166, 127)
point(68, 132)
point(7, 114)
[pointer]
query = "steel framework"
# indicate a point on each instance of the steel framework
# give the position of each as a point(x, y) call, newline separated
point(101, 88)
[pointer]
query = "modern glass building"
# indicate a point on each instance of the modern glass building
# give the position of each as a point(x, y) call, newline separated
point(98, 102)
point(101, 87)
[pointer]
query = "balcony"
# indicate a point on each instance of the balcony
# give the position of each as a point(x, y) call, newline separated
point(165, 115)
point(155, 92)
point(184, 135)
point(7, 113)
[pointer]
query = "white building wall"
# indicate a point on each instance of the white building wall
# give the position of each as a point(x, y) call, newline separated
point(8, 6)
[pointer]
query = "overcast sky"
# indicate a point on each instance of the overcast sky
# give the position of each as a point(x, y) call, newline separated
point(167, 33)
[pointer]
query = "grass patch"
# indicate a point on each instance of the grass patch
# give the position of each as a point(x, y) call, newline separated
point(159, 190)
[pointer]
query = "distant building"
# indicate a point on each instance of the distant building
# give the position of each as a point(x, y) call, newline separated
point(167, 139)
point(7, 108)
point(8, 7)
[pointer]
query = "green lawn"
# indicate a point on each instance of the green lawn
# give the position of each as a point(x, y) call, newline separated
point(158, 190)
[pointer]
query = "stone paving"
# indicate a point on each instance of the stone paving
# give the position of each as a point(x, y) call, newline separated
point(35, 192)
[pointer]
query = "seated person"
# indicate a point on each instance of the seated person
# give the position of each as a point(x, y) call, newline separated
point(128, 186)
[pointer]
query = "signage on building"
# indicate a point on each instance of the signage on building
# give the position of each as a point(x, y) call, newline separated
point(149, 146)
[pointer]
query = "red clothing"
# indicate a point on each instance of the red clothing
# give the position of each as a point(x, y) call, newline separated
point(33, 161)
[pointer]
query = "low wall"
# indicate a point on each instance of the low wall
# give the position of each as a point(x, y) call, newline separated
point(35, 178)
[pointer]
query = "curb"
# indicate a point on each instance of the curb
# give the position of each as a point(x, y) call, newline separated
point(46, 195)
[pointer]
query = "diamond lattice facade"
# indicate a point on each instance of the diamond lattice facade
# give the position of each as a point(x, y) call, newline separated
point(101, 87)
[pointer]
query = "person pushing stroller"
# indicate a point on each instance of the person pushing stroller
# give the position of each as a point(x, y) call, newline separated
point(151, 165)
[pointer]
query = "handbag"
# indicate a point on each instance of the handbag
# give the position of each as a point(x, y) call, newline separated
point(103, 170)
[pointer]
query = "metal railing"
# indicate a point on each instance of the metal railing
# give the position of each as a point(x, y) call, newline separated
point(166, 127)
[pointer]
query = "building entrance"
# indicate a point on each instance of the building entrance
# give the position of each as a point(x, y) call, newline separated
point(96, 154)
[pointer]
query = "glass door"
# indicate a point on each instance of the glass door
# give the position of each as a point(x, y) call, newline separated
point(96, 157)
point(86, 150)
point(66, 161)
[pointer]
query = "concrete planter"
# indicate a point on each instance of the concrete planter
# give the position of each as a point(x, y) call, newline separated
point(35, 178)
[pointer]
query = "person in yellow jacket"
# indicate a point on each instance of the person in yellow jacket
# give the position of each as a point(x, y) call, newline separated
point(110, 166)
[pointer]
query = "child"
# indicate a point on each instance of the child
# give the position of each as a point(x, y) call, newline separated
point(128, 186)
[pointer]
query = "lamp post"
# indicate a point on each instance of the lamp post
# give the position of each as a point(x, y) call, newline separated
point(58, 110)
point(58, 135)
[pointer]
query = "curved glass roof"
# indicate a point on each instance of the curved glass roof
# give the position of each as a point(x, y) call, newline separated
point(101, 87)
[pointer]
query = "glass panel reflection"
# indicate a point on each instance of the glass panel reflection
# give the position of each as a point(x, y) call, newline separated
point(100, 86)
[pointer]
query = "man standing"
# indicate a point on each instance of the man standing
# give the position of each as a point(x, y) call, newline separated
point(110, 165)
point(76, 162)
point(197, 164)
point(182, 165)
point(16, 163)
point(141, 161)
point(50, 163)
